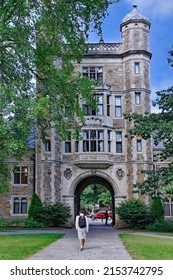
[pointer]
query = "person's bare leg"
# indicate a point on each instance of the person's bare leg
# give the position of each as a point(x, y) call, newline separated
point(83, 241)
point(81, 244)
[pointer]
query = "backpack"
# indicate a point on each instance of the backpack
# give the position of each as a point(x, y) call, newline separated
point(82, 221)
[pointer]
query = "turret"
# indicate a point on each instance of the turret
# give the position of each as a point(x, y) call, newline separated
point(135, 31)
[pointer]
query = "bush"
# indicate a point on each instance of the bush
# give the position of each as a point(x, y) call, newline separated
point(134, 213)
point(53, 215)
point(20, 222)
point(161, 226)
point(31, 223)
point(36, 204)
point(157, 209)
point(4, 223)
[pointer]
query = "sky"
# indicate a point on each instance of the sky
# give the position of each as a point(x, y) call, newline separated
point(160, 14)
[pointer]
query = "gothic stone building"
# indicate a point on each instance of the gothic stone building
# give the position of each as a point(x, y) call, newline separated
point(61, 171)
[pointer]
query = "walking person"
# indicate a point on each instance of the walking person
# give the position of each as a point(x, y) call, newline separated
point(106, 217)
point(82, 227)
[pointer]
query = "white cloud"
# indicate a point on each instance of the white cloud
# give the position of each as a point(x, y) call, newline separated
point(154, 8)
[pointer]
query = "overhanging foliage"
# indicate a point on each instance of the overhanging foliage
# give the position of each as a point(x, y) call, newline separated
point(33, 36)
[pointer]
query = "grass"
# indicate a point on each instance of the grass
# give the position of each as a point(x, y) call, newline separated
point(147, 247)
point(163, 233)
point(22, 246)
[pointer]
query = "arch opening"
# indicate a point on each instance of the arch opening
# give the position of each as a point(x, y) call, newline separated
point(97, 183)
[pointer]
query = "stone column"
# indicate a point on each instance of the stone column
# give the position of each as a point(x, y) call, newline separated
point(118, 200)
point(70, 201)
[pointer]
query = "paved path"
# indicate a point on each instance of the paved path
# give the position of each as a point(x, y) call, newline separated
point(103, 243)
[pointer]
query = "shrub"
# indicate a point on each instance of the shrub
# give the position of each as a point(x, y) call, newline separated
point(53, 215)
point(20, 222)
point(134, 213)
point(4, 223)
point(161, 226)
point(157, 209)
point(36, 203)
point(31, 223)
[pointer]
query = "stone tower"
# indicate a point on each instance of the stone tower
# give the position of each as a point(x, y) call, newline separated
point(135, 28)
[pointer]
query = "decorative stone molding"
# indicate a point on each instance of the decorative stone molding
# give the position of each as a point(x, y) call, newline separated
point(93, 171)
point(120, 173)
point(67, 173)
point(93, 121)
point(94, 161)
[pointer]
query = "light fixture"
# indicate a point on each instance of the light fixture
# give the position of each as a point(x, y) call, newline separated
point(154, 158)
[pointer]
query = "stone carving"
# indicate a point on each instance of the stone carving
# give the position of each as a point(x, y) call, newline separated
point(120, 173)
point(94, 121)
point(67, 173)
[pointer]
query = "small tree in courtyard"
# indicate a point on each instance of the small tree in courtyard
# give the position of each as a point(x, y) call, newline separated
point(167, 185)
point(157, 209)
point(151, 187)
point(168, 194)
point(35, 205)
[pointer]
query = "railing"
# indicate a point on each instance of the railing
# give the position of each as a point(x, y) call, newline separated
point(105, 47)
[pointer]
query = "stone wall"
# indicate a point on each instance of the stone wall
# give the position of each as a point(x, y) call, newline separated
point(18, 190)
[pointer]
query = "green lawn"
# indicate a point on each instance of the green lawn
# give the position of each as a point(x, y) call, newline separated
point(148, 248)
point(22, 246)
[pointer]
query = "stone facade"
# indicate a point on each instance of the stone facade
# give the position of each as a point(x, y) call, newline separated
point(104, 155)
point(19, 195)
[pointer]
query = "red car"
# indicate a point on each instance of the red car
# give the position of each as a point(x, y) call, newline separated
point(101, 214)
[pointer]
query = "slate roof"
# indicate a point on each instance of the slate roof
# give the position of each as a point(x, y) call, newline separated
point(134, 15)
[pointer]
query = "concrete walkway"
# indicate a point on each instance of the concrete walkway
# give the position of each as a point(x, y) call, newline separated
point(103, 243)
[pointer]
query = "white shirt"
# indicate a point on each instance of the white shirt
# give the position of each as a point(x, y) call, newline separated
point(77, 223)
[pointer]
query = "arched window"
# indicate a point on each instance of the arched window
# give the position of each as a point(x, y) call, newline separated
point(16, 204)
point(20, 205)
point(23, 205)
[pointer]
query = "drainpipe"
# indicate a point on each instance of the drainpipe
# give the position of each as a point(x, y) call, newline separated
point(34, 171)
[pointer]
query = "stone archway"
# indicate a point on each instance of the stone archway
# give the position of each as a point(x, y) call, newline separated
point(89, 178)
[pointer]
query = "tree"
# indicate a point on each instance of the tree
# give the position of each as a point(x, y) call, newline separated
point(159, 125)
point(61, 30)
point(94, 194)
point(168, 193)
point(35, 205)
point(89, 198)
point(167, 185)
point(157, 209)
point(105, 198)
point(159, 187)
point(150, 186)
